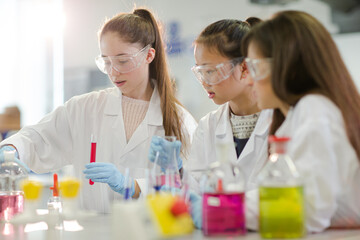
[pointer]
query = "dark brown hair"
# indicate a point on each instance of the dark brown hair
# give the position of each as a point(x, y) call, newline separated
point(306, 60)
point(140, 26)
point(224, 36)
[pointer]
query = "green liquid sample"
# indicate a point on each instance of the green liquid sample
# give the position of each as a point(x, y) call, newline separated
point(282, 213)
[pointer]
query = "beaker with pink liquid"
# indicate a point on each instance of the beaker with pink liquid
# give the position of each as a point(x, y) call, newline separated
point(224, 214)
point(223, 208)
point(11, 195)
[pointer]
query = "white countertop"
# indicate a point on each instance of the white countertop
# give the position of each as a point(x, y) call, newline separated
point(100, 228)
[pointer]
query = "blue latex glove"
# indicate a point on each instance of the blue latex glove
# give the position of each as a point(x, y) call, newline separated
point(108, 173)
point(16, 159)
point(196, 209)
point(162, 146)
point(195, 204)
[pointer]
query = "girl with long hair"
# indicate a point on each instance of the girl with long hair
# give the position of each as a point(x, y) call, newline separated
point(123, 118)
point(297, 70)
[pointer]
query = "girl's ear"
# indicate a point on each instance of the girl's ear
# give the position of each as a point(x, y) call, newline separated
point(150, 55)
point(244, 71)
point(245, 75)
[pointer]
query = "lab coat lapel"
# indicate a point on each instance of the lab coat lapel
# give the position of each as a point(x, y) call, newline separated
point(223, 130)
point(114, 118)
point(261, 129)
point(153, 117)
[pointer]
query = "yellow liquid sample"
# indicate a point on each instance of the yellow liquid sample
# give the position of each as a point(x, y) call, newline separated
point(282, 213)
point(70, 187)
point(32, 189)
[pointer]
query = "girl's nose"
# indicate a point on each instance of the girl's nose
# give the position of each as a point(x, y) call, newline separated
point(205, 85)
point(113, 71)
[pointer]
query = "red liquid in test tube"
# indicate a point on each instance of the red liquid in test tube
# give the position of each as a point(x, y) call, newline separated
point(92, 154)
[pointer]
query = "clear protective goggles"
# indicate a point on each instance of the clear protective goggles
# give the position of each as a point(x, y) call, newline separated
point(258, 68)
point(123, 63)
point(213, 74)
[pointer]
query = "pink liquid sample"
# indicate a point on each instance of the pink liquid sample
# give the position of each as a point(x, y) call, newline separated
point(223, 214)
point(92, 157)
point(10, 205)
point(174, 182)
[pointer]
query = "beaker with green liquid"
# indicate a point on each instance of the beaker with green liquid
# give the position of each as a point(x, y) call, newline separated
point(281, 195)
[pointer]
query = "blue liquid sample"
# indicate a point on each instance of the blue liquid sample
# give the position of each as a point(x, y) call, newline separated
point(157, 188)
point(127, 193)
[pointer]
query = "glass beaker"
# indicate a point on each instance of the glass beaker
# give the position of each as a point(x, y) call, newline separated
point(69, 188)
point(11, 195)
point(223, 197)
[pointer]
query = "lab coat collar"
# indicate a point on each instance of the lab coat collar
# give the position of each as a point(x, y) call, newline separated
point(113, 104)
point(264, 121)
point(223, 131)
point(223, 120)
point(261, 131)
point(153, 115)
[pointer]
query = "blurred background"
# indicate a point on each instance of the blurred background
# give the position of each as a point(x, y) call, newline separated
point(48, 46)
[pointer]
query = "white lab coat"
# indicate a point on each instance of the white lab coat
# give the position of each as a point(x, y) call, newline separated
point(63, 137)
point(327, 162)
point(216, 127)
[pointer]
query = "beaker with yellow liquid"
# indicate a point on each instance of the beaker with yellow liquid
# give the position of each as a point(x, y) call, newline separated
point(281, 195)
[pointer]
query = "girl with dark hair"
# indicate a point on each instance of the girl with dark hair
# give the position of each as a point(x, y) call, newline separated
point(221, 70)
point(122, 118)
point(297, 70)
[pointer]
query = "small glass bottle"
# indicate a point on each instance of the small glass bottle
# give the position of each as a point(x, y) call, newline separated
point(281, 199)
point(223, 209)
point(54, 205)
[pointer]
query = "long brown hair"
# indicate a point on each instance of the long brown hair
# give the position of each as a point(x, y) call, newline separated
point(224, 36)
point(140, 26)
point(305, 60)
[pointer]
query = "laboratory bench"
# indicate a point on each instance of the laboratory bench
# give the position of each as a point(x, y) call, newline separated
point(100, 227)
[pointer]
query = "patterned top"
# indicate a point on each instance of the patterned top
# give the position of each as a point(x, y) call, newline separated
point(243, 126)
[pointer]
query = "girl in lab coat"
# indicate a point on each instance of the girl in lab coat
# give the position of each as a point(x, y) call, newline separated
point(297, 70)
point(122, 118)
point(221, 70)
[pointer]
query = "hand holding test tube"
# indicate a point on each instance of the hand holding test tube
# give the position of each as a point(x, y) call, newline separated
point(92, 153)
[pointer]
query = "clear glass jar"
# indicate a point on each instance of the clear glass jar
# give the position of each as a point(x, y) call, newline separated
point(281, 194)
point(11, 195)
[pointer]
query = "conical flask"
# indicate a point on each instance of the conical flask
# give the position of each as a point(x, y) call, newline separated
point(223, 196)
point(164, 171)
point(172, 174)
point(281, 199)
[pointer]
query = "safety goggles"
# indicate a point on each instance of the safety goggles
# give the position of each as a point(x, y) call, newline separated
point(123, 63)
point(213, 74)
point(258, 68)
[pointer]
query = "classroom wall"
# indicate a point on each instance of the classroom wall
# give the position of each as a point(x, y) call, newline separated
point(183, 20)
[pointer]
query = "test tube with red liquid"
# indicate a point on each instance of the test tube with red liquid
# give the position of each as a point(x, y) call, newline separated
point(92, 153)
